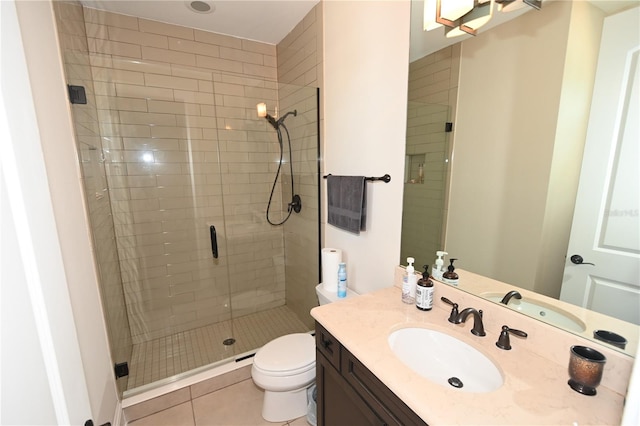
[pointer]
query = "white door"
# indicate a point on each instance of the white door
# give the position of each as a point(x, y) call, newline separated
point(606, 225)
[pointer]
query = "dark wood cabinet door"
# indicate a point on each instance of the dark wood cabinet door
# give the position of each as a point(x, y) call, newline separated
point(351, 395)
point(338, 404)
point(376, 395)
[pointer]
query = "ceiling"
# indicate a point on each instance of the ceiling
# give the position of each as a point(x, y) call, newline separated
point(269, 21)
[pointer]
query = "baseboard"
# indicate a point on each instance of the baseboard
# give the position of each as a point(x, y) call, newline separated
point(118, 416)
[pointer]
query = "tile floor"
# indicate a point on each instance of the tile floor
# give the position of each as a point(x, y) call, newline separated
point(160, 358)
point(237, 404)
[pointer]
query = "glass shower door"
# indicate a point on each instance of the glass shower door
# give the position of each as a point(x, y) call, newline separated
point(272, 269)
point(170, 153)
point(425, 181)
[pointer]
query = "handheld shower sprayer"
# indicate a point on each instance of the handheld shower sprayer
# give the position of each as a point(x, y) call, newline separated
point(262, 112)
point(296, 202)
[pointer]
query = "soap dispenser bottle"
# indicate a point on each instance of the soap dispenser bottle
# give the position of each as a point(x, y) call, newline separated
point(438, 268)
point(409, 283)
point(424, 291)
point(450, 277)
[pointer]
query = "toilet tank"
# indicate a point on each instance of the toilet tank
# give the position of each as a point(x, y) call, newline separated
point(325, 296)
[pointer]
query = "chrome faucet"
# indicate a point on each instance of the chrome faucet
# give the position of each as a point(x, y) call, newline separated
point(478, 327)
point(508, 296)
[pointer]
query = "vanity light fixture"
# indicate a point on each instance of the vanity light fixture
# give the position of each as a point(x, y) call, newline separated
point(429, 19)
point(445, 12)
point(472, 21)
point(465, 17)
point(448, 12)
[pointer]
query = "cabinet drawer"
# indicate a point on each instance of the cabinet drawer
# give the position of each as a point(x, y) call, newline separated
point(328, 346)
point(381, 400)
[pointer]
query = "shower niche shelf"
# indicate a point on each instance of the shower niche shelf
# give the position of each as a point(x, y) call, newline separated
point(414, 168)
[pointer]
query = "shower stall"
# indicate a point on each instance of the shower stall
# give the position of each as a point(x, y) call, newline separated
point(428, 149)
point(178, 169)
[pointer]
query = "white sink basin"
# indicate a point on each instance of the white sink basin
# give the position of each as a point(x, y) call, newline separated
point(542, 311)
point(445, 360)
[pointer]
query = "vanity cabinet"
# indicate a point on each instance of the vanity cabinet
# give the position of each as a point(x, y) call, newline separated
point(349, 394)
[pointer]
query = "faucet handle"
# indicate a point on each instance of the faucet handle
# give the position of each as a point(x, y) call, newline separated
point(454, 309)
point(504, 341)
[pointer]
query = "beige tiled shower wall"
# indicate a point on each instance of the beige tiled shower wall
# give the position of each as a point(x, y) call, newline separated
point(177, 108)
point(433, 83)
point(300, 65)
point(73, 44)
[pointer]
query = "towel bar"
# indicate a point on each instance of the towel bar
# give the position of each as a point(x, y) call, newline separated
point(386, 178)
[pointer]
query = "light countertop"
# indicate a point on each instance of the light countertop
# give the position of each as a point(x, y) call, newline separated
point(535, 390)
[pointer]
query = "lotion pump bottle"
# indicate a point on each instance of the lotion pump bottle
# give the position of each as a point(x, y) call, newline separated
point(424, 291)
point(409, 283)
point(450, 277)
point(438, 268)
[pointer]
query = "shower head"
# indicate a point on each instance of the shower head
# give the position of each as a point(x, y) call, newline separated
point(262, 112)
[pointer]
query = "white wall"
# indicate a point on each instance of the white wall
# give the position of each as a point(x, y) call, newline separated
point(23, 366)
point(42, 376)
point(80, 370)
point(366, 62)
point(510, 187)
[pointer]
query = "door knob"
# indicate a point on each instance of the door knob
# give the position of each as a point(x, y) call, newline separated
point(578, 260)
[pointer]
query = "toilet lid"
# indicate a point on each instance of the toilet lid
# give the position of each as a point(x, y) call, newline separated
point(290, 352)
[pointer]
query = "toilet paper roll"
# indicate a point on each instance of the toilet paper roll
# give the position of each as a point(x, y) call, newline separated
point(331, 258)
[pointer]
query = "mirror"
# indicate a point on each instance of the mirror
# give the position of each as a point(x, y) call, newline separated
point(512, 245)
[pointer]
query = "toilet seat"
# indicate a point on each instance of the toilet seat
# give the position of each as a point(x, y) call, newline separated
point(287, 355)
point(285, 373)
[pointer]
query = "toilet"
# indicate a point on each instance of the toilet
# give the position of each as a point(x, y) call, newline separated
point(286, 367)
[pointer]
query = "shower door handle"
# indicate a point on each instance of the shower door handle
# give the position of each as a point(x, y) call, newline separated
point(214, 241)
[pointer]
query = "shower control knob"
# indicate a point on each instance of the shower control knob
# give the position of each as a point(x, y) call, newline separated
point(295, 204)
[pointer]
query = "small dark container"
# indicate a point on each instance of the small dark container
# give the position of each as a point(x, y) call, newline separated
point(585, 369)
point(610, 338)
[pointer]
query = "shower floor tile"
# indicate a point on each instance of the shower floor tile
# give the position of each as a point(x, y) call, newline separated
point(167, 356)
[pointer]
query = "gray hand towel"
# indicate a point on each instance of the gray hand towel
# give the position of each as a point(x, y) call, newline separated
point(347, 202)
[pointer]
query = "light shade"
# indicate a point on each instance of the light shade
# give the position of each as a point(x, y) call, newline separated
point(478, 17)
point(262, 109)
point(453, 10)
point(449, 11)
point(429, 20)
point(472, 21)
